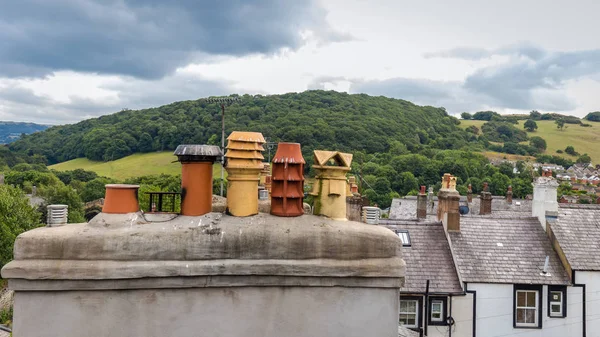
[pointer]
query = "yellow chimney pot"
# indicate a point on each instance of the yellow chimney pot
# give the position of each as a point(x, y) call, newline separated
point(244, 165)
point(330, 186)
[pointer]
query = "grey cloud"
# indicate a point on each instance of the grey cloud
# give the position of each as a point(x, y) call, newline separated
point(147, 38)
point(318, 83)
point(474, 54)
point(22, 104)
point(534, 79)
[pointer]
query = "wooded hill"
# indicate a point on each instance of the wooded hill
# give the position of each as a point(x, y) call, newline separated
point(11, 131)
point(316, 119)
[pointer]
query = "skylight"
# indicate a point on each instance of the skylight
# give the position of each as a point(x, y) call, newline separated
point(404, 237)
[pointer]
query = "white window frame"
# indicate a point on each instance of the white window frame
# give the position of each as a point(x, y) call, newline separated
point(536, 307)
point(441, 311)
point(416, 313)
point(559, 302)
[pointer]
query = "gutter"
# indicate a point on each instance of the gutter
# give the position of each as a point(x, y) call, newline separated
point(583, 311)
point(474, 292)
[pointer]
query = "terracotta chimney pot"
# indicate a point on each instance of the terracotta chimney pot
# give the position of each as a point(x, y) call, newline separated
point(287, 190)
point(197, 177)
point(121, 199)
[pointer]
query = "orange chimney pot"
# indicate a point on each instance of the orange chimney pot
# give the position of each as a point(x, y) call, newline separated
point(121, 199)
point(196, 177)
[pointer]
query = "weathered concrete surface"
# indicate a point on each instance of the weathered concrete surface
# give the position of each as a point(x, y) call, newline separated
point(214, 312)
point(117, 246)
point(213, 275)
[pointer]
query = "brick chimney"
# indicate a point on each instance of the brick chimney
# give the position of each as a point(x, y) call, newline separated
point(544, 198)
point(288, 180)
point(422, 204)
point(197, 177)
point(509, 195)
point(121, 199)
point(244, 164)
point(470, 194)
point(329, 188)
point(448, 198)
point(485, 205)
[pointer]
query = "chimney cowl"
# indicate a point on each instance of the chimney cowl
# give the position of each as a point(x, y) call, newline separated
point(198, 153)
point(287, 189)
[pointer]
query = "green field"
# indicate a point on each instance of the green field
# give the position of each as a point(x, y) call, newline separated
point(136, 165)
point(585, 140)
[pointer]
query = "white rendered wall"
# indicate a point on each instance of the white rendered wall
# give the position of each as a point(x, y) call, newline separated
point(495, 314)
point(209, 312)
point(592, 298)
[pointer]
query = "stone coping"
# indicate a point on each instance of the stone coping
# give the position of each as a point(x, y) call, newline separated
point(223, 281)
point(127, 246)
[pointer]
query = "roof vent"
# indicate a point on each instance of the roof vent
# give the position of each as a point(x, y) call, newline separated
point(371, 215)
point(244, 165)
point(287, 190)
point(546, 265)
point(197, 177)
point(57, 215)
point(330, 187)
point(121, 199)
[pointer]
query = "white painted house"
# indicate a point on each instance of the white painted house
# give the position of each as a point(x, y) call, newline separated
point(495, 275)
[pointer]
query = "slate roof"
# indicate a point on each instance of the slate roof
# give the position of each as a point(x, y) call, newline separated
point(577, 230)
point(428, 257)
point(505, 250)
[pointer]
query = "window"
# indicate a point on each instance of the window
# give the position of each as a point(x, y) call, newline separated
point(404, 237)
point(557, 301)
point(409, 313)
point(437, 310)
point(527, 301)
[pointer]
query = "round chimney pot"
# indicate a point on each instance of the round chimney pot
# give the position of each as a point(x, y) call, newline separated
point(121, 199)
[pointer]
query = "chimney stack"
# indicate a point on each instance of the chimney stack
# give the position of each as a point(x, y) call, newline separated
point(244, 164)
point(509, 195)
point(470, 194)
point(121, 199)
point(57, 215)
point(448, 198)
point(544, 198)
point(197, 177)
point(422, 204)
point(288, 180)
point(485, 205)
point(330, 186)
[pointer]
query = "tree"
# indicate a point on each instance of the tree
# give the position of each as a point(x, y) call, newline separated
point(64, 195)
point(584, 159)
point(506, 168)
point(535, 115)
point(16, 216)
point(539, 143)
point(560, 124)
point(466, 116)
point(530, 125)
point(94, 189)
point(593, 116)
point(473, 129)
point(499, 184)
point(571, 150)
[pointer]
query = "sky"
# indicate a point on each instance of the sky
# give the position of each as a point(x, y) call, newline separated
point(62, 61)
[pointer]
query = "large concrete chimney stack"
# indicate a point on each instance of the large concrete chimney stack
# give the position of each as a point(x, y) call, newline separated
point(544, 198)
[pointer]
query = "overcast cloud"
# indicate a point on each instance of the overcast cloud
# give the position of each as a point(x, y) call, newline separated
point(62, 61)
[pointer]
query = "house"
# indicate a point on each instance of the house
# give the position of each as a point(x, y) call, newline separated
point(512, 281)
point(432, 289)
point(568, 199)
point(575, 236)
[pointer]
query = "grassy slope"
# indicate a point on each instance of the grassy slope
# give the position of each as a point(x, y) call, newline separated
point(585, 140)
point(136, 165)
